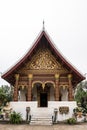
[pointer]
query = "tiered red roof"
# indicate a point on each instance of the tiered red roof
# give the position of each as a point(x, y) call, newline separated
point(43, 37)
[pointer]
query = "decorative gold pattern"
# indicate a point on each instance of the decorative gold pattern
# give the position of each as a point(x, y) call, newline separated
point(26, 71)
point(43, 60)
point(43, 84)
point(57, 76)
point(64, 86)
point(16, 76)
point(69, 76)
point(30, 76)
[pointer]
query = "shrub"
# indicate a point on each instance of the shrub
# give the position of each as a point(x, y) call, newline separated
point(71, 121)
point(15, 118)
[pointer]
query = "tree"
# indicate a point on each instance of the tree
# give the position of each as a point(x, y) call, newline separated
point(2, 96)
point(5, 94)
point(81, 94)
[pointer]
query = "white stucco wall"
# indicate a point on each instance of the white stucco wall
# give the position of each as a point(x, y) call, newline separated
point(57, 104)
point(21, 107)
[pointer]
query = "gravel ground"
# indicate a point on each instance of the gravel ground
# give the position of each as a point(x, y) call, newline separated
point(54, 127)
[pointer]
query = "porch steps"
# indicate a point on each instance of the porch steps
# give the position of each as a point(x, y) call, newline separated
point(41, 117)
point(41, 121)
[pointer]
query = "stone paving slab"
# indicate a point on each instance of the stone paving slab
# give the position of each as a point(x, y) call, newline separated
point(54, 127)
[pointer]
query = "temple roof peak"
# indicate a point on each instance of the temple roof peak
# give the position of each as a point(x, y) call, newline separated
point(43, 25)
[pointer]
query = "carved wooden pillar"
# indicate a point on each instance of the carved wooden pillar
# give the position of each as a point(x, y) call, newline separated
point(56, 87)
point(29, 91)
point(15, 96)
point(70, 93)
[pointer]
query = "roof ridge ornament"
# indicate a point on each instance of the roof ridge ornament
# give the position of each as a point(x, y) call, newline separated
point(43, 25)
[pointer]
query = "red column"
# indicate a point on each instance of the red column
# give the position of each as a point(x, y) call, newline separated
point(70, 92)
point(29, 92)
point(56, 87)
point(15, 95)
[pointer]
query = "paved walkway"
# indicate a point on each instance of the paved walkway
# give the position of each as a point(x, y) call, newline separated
point(54, 127)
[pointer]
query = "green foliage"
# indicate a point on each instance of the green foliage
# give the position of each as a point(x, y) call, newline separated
point(77, 109)
point(2, 96)
point(15, 118)
point(71, 121)
point(5, 94)
point(81, 94)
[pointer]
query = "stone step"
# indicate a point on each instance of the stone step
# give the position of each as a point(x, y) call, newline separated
point(41, 113)
point(41, 121)
point(41, 116)
point(41, 124)
point(33, 120)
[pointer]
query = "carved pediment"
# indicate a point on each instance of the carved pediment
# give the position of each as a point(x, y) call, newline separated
point(43, 60)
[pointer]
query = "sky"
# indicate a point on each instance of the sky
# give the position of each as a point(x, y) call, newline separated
point(22, 20)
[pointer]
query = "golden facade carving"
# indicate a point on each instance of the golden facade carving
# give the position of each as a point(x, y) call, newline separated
point(26, 71)
point(43, 60)
point(30, 76)
point(17, 76)
point(22, 87)
point(64, 86)
point(43, 83)
point(57, 76)
point(44, 69)
point(69, 76)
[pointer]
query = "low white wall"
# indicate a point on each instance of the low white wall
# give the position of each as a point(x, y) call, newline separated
point(57, 104)
point(21, 107)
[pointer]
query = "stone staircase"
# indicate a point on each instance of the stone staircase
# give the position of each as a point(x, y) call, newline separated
point(41, 116)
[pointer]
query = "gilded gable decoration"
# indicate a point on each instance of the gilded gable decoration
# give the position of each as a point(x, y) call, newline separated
point(43, 60)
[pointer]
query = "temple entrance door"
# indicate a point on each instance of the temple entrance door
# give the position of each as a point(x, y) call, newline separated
point(43, 99)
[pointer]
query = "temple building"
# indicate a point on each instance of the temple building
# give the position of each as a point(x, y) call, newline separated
point(43, 76)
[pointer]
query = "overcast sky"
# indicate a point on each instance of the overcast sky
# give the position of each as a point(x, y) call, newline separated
point(21, 22)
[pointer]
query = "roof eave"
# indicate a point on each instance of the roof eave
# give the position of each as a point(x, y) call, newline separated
point(5, 75)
